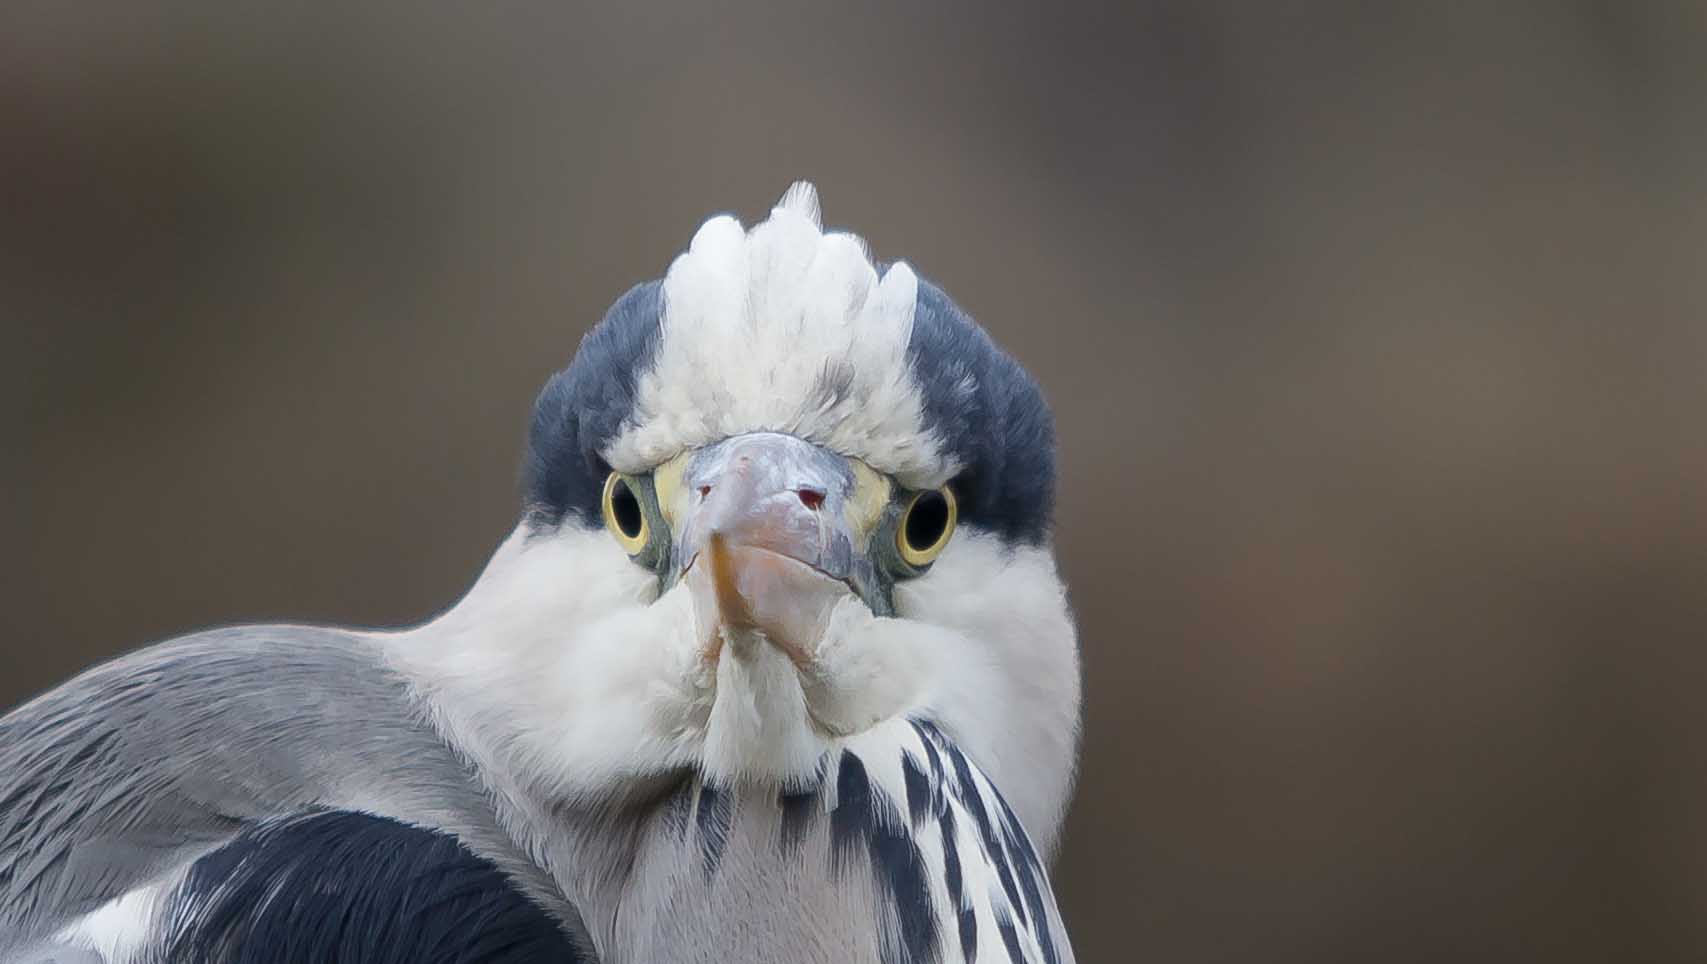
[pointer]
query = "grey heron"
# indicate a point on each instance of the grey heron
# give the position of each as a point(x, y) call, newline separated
point(776, 666)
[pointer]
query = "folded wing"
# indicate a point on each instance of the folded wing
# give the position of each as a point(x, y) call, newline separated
point(122, 778)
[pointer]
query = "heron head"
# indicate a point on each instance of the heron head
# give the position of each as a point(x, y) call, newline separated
point(787, 496)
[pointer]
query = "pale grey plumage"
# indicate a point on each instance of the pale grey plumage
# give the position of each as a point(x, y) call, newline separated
point(143, 764)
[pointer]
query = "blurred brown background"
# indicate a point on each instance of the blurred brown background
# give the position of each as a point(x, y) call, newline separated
point(1376, 341)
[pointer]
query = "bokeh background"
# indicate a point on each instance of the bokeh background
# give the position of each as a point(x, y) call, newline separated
point(1376, 339)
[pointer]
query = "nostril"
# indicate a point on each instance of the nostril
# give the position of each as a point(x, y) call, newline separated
point(810, 498)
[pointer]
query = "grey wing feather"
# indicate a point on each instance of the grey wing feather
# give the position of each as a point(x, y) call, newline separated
point(145, 763)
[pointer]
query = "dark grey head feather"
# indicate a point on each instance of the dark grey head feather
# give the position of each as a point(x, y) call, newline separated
point(990, 415)
point(583, 406)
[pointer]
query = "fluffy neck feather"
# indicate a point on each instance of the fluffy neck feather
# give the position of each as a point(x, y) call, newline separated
point(580, 697)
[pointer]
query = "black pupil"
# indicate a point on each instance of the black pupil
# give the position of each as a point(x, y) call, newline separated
point(925, 524)
point(625, 509)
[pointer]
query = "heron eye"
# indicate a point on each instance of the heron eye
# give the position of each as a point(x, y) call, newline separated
point(623, 516)
point(926, 526)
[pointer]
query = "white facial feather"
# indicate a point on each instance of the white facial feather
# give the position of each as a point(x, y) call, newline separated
point(1006, 682)
point(984, 645)
point(563, 680)
point(784, 328)
point(559, 674)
